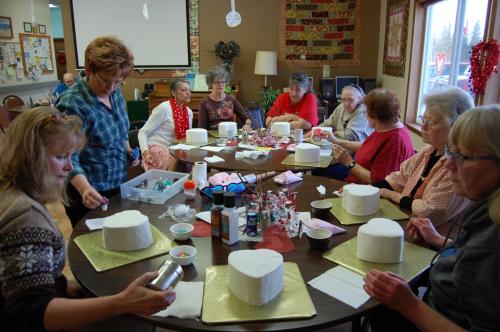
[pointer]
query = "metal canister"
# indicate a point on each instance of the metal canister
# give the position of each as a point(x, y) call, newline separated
point(298, 135)
point(170, 273)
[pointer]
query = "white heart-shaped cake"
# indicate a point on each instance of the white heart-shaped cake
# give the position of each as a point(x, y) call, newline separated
point(380, 241)
point(126, 231)
point(360, 199)
point(256, 276)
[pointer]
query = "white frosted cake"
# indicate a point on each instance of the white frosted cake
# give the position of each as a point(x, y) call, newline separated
point(280, 129)
point(196, 136)
point(126, 231)
point(380, 241)
point(256, 276)
point(306, 152)
point(227, 129)
point(360, 200)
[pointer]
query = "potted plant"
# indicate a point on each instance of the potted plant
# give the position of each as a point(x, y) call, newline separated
point(267, 98)
point(227, 52)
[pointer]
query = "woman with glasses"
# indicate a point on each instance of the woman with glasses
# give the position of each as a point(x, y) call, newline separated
point(167, 123)
point(382, 152)
point(299, 105)
point(218, 106)
point(97, 100)
point(464, 280)
point(34, 294)
point(348, 120)
point(423, 185)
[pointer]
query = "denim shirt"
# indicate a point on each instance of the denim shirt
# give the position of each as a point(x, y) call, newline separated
point(104, 159)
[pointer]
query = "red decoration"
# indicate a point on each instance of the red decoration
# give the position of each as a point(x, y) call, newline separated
point(483, 62)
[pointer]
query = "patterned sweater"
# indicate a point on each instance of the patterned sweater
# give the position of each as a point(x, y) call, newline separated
point(32, 256)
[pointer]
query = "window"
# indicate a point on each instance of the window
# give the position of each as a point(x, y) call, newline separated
point(451, 28)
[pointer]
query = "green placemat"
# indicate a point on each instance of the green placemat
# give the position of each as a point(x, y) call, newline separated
point(387, 210)
point(103, 259)
point(220, 305)
point(323, 163)
point(211, 140)
point(415, 259)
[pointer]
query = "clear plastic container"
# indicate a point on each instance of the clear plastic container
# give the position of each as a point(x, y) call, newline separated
point(190, 189)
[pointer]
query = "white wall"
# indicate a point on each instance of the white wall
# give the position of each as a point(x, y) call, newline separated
point(20, 11)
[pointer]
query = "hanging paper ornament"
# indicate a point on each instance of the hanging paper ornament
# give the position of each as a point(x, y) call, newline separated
point(145, 12)
point(233, 18)
point(483, 62)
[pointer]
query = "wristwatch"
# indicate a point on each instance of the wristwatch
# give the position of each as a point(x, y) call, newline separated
point(351, 165)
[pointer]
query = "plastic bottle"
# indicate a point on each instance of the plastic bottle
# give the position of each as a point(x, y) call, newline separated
point(189, 189)
point(215, 213)
point(229, 220)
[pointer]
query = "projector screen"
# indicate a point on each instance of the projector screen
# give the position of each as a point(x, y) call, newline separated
point(162, 41)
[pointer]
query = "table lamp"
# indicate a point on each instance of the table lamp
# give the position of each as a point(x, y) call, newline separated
point(266, 63)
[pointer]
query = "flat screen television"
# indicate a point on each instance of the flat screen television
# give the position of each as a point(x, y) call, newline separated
point(342, 81)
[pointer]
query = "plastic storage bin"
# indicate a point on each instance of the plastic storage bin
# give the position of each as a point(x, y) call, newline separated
point(142, 187)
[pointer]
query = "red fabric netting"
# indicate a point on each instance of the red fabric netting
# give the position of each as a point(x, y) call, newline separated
point(201, 229)
point(276, 239)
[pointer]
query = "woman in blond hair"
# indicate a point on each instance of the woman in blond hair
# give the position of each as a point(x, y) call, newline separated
point(34, 294)
point(464, 277)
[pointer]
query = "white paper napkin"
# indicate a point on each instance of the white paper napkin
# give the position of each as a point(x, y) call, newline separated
point(205, 216)
point(214, 159)
point(93, 224)
point(182, 147)
point(342, 284)
point(213, 148)
point(188, 301)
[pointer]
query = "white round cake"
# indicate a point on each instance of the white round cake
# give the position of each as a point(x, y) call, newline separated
point(306, 152)
point(196, 136)
point(126, 231)
point(280, 129)
point(380, 241)
point(228, 129)
point(360, 200)
point(256, 276)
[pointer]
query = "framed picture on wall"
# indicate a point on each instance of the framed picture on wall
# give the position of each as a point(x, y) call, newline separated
point(395, 37)
point(27, 27)
point(5, 27)
point(42, 29)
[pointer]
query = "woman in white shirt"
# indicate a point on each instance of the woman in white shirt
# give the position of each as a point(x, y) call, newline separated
point(167, 123)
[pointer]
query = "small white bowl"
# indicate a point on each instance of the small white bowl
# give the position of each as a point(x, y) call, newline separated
point(183, 255)
point(182, 231)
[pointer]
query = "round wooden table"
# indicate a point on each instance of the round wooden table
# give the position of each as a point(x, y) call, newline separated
point(330, 311)
point(271, 162)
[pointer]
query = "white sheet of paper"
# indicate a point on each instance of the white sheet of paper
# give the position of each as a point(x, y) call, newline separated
point(183, 147)
point(342, 284)
point(214, 159)
point(213, 148)
point(94, 224)
point(205, 216)
point(188, 301)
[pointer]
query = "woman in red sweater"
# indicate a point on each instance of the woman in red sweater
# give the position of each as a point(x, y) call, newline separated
point(383, 151)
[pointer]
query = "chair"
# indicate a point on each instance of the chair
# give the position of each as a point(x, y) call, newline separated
point(4, 119)
point(12, 101)
point(257, 119)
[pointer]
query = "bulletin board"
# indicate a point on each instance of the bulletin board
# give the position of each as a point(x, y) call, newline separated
point(317, 32)
point(11, 63)
point(36, 52)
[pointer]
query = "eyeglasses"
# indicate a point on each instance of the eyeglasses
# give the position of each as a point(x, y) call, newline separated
point(112, 83)
point(458, 158)
point(220, 82)
point(237, 188)
point(424, 122)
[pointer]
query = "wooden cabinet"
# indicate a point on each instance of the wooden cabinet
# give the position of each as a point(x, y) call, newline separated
point(161, 93)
